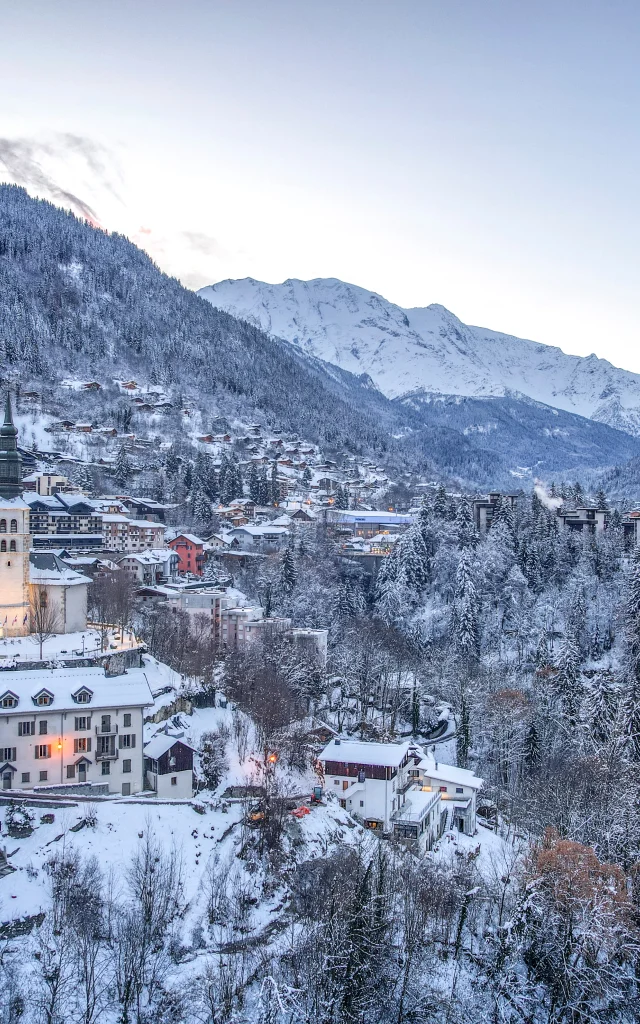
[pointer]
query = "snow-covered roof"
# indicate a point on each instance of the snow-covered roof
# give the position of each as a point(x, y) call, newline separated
point(7, 503)
point(159, 745)
point(359, 752)
point(281, 521)
point(450, 773)
point(48, 569)
point(260, 531)
point(128, 690)
point(190, 537)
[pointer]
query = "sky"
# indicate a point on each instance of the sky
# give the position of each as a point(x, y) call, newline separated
point(482, 154)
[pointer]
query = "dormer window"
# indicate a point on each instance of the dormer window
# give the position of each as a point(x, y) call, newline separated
point(43, 698)
point(83, 695)
point(9, 700)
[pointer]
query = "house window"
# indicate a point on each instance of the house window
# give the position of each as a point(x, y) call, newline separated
point(128, 740)
point(43, 700)
point(336, 782)
point(44, 776)
point(174, 780)
point(126, 719)
point(106, 723)
point(82, 745)
point(82, 724)
point(362, 803)
point(443, 789)
point(83, 697)
point(42, 727)
point(8, 753)
point(126, 766)
point(106, 768)
point(43, 750)
point(459, 789)
point(71, 771)
point(9, 701)
point(26, 776)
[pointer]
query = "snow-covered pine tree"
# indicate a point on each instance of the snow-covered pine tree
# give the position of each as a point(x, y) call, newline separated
point(254, 484)
point(202, 511)
point(464, 524)
point(122, 467)
point(288, 571)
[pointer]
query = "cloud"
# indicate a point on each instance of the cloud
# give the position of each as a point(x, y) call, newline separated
point(205, 244)
point(23, 157)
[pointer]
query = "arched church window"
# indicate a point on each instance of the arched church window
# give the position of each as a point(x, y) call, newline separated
point(12, 545)
point(14, 526)
point(3, 525)
point(3, 545)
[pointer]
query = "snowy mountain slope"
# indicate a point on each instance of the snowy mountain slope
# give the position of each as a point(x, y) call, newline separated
point(404, 350)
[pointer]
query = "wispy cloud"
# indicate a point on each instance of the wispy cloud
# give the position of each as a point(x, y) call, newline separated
point(23, 160)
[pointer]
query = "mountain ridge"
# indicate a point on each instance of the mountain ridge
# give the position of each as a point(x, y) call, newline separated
point(406, 349)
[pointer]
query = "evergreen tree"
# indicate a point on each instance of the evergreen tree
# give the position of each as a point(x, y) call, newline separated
point(306, 477)
point(567, 686)
point(441, 504)
point(602, 500)
point(254, 484)
point(263, 487)
point(632, 616)
point(171, 462)
point(288, 571)
point(274, 489)
point(202, 511)
point(532, 756)
point(122, 469)
point(187, 479)
point(464, 525)
point(341, 498)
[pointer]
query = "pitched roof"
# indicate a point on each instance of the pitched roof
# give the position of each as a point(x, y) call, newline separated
point(359, 752)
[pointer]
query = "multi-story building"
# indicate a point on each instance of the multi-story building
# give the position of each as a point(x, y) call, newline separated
point(123, 534)
point(156, 565)
point(64, 727)
point(190, 550)
point(63, 515)
point(394, 788)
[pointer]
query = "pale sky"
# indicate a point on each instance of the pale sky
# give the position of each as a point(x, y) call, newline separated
point(483, 154)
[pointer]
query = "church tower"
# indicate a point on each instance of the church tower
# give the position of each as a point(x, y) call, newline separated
point(15, 539)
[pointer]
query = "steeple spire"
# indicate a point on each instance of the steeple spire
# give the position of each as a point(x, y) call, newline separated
point(10, 457)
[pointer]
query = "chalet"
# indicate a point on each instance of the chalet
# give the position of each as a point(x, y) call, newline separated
point(168, 765)
point(129, 385)
point(190, 551)
point(91, 385)
point(150, 566)
point(206, 439)
point(371, 781)
point(82, 428)
point(268, 537)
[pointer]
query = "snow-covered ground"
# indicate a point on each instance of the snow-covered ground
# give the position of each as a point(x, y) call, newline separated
point(14, 650)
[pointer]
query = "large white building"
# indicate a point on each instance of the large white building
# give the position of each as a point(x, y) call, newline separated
point(64, 727)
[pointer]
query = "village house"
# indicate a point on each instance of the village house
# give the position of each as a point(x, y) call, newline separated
point(190, 551)
point(260, 538)
point(64, 727)
point(168, 765)
point(155, 565)
point(59, 588)
point(371, 780)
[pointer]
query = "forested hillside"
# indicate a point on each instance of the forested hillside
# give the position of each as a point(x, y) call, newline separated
point(77, 300)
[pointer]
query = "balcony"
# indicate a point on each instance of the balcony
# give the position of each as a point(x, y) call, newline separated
point(415, 809)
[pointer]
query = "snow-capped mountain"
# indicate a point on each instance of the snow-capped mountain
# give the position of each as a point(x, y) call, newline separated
point(428, 349)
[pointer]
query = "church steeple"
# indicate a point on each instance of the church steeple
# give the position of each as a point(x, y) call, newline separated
point(10, 457)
